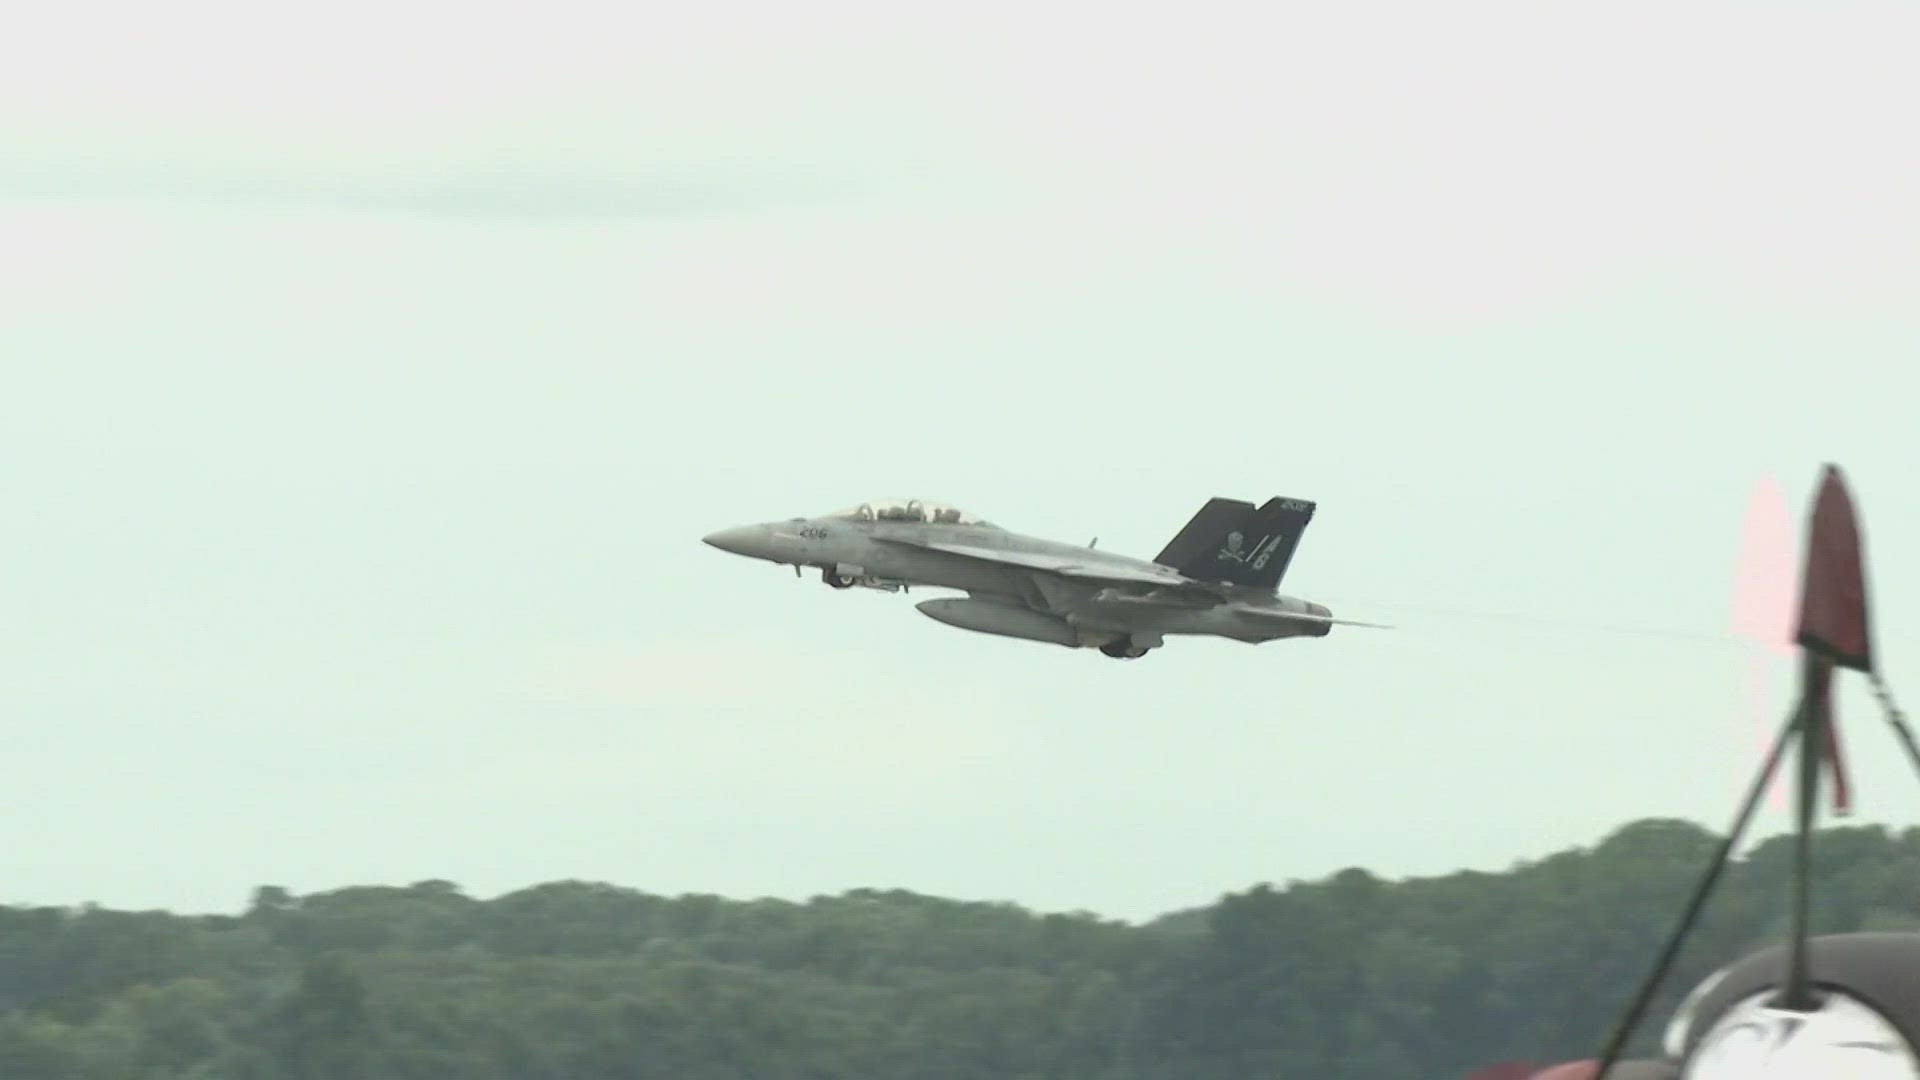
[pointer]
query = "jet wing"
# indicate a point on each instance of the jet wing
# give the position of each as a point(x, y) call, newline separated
point(1070, 568)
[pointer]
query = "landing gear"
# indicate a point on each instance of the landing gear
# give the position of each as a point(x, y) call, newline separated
point(1123, 651)
point(838, 578)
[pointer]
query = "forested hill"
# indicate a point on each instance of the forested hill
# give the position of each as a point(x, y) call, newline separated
point(1349, 978)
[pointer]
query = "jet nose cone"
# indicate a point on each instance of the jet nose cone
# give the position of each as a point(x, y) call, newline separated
point(741, 540)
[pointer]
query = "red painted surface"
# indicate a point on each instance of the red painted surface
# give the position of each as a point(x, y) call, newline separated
point(1833, 596)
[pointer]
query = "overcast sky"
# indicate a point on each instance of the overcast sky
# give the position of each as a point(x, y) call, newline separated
point(371, 375)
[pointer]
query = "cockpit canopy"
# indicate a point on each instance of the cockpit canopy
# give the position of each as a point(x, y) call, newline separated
point(909, 510)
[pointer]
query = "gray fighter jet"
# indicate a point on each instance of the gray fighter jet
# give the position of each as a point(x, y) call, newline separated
point(1217, 577)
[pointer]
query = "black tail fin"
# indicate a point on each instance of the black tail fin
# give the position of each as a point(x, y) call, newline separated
point(1229, 541)
point(1202, 535)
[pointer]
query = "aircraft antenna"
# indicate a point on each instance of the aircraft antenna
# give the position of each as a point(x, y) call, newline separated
point(1834, 632)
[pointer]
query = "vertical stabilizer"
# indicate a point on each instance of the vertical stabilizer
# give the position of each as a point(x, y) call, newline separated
point(1203, 533)
point(1231, 542)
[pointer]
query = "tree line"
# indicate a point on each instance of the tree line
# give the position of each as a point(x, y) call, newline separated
point(1351, 977)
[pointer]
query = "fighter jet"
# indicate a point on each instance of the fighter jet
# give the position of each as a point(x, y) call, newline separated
point(1217, 577)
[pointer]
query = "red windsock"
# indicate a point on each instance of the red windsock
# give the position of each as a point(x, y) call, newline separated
point(1835, 625)
point(1834, 618)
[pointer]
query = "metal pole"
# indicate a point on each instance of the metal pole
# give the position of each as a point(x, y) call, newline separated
point(1796, 991)
point(1622, 1031)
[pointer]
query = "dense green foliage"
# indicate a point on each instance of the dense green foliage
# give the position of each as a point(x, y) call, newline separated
point(1350, 978)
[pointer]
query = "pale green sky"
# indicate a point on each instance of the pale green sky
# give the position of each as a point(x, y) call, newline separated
point(368, 387)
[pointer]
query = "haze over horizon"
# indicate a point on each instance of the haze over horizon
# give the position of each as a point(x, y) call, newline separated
point(372, 379)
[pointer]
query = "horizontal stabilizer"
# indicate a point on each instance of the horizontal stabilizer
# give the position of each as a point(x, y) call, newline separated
point(1357, 622)
point(1296, 616)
